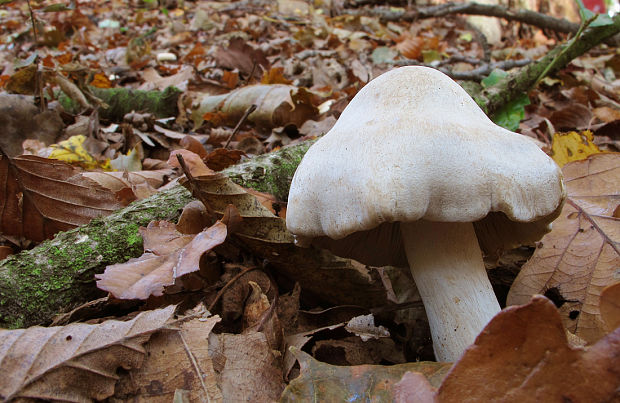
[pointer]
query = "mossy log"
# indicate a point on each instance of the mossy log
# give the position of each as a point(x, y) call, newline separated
point(121, 101)
point(58, 274)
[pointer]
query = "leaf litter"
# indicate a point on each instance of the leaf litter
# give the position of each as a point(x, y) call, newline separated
point(301, 65)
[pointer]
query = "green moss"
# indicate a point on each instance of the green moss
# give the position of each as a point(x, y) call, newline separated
point(270, 173)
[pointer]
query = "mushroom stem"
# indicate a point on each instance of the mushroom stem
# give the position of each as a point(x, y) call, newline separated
point(446, 264)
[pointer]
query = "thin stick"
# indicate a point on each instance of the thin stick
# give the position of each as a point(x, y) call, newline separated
point(195, 189)
point(247, 112)
point(230, 282)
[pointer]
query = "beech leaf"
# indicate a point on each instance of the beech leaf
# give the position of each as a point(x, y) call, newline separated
point(276, 105)
point(40, 197)
point(147, 275)
point(523, 355)
point(77, 362)
point(581, 255)
point(322, 382)
point(175, 360)
point(573, 146)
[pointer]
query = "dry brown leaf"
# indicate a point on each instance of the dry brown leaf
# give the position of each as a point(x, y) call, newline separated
point(257, 315)
point(331, 383)
point(248, 369)
point(194, 218)
point(77, 362)
point(150, 273)
point(175, 360)
point(610, 306)
point(414, 388)
point(193, 161)
point(523, 355)
point(163, 238)
point(277, 105)
point(221, 158)
point(142, 183)
point(259, 223)
point(580, 256)
point(240, 55)
point(40, 197)
point(20, 119)
point(191, 143)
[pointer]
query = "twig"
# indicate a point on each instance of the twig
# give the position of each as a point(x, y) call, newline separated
point(32, 20)
point(514, 85)
point(230, 282)
point(567, 48)
point(199, 372)
point(476, 74)
point(247, 112)
point(196, 191)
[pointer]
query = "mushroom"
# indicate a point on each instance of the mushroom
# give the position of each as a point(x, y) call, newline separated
point(414, 173)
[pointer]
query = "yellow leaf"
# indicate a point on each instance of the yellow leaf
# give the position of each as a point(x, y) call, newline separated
point(72, 151)
point(573, 146)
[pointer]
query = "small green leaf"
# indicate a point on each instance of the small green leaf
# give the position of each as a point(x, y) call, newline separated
point(431, 55)
point(466, 36)
point(493, 78)
point(512, 113)
point(600, 19)
point(54, 8)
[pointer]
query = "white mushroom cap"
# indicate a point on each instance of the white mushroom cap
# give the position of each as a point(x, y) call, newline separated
point(414, 145)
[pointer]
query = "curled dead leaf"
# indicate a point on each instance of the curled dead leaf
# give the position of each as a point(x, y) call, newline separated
point(277, 105)
point(150, 273)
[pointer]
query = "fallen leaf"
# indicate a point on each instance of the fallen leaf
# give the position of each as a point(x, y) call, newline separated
point(150, 273)
point(277, 105)
point(248, 369)
point(72, 151)
point(364, 327)
point(175, 360)
point(275, 75)
point(240, 55)
point(580, 256)
point(221, 158)
point(143, 183)
point(259, 223)
point(20, 119)
point(523, 355)
point(414, 388)
point(193, 161)
point(573, 146)
point(77, 362)
point(40, 197)
point(610, 306)
point(330, 383)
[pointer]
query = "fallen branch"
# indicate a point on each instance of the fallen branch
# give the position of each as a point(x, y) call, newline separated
point(476, 74)
point(493, 98)
point(529, 17)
